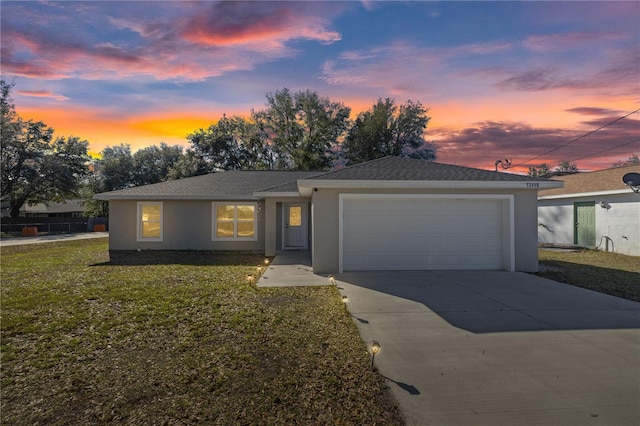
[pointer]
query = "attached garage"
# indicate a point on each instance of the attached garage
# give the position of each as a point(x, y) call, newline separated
point(425, 232)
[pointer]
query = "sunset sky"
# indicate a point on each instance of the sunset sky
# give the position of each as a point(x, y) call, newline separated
point(516, 80)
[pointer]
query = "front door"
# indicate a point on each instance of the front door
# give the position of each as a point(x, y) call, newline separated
point(584, 214)
point(296, 226)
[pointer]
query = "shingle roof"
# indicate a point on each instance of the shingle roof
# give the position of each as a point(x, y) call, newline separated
point(242, 184)
point(602, 180)
point(230, 185)
point(403, 168)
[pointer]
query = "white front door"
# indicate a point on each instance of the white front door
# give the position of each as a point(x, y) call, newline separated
point(296, 226)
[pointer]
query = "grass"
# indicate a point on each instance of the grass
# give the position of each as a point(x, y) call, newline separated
point(175, 338)
point(609, 273)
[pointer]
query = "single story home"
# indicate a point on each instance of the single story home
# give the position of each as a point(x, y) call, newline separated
point(393, 213)
point(594, 210)
point(70, 208)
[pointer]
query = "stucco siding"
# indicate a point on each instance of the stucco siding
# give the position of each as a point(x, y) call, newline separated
point(187, 225)
point(326, 222)
point(617, 222)
point(525, 221)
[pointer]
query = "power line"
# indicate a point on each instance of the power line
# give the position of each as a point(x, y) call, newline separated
point(576, 139)
point(605, 150)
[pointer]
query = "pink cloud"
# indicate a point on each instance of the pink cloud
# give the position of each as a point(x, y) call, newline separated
point(189, 43)
point(564, 41)
point(238, 23)
point(43, 94)
point(521, 142)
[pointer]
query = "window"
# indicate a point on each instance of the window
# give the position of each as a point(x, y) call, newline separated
point(295, 216)
point(234, 221)
point(149, 221)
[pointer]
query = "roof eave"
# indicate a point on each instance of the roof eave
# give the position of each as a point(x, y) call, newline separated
point(307, 185)
point(271, 194)
point(585, 194)
point(131, 197)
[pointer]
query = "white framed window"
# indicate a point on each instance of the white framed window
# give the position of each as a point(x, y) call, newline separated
point(149, 221)
point(235, 221)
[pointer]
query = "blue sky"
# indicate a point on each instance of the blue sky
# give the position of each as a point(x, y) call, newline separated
point(502, 79)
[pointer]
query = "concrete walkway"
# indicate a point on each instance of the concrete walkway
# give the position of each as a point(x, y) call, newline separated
point(291, 269)
point(16, 241)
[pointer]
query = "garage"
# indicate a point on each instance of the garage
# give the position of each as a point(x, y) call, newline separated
point(425, 232)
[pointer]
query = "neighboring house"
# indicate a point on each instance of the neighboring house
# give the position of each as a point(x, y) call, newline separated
point(389, 214)
point(594, 209)
point(70, 208)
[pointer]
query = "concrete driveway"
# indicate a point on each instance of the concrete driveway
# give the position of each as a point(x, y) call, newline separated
point(500, 348)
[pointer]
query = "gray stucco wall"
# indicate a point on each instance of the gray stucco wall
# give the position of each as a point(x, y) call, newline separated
point(187, 225)
point(325, 227)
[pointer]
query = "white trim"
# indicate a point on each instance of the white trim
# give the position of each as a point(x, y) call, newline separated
point(307, 185)
point(586, 194)
point(214, 221)
point(511, 267)
point(138, 197)
point(265, 194)
point(139, 236)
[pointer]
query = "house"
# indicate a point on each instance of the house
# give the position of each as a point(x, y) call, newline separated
point(70, 208)
point(393, 213)
point(593, 209)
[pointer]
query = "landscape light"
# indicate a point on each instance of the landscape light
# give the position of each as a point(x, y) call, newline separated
point(345, 299)
point(266, 261)
point(375, 348)
point(250, 278)
point(332, 280)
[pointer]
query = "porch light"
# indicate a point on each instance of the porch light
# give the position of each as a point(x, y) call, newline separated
point(374, 347)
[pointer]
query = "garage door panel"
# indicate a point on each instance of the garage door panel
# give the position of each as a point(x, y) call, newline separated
point(410, 234)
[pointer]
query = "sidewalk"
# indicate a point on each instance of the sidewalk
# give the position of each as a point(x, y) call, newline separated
point(291, 269)
point(16, 241)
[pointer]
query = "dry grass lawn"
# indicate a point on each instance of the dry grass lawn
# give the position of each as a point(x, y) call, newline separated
point(610, 273)
point(175, 338)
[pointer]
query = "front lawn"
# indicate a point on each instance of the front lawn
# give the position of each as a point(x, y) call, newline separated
point(175, 338)
point(610, 273)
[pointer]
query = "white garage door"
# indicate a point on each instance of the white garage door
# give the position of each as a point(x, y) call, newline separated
point(419, 233)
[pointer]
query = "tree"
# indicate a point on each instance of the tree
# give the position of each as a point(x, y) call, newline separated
point(323, 123)
point(230, 144)
point(633, 159)
point(189, 164)
point(35, 167)
point(152, 164)
point(387, 130)
point(114, 169)
point(566, 167)
point(540, 171)
point(301, 130)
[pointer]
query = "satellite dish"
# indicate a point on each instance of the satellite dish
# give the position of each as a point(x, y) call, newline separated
point(633, 180)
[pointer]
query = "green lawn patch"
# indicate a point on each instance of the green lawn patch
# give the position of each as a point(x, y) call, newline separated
point(609, 273)
point(175, 338)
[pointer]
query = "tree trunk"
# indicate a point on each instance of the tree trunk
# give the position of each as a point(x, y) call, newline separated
point(15, 205)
